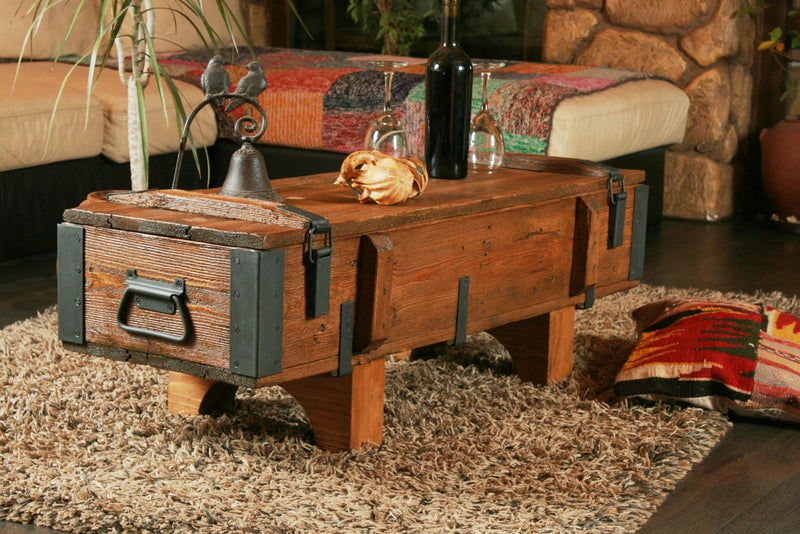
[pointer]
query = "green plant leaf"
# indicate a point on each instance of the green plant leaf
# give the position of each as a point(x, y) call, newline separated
point(143, 125)
point(69, 30)
point(297, 15)
point(765, 45)
point(180, 117)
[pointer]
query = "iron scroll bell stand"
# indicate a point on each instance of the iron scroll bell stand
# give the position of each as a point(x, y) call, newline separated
point(247, 172)
point(247, 177)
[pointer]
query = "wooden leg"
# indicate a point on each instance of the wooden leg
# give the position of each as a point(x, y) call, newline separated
point(542, 347)
point(403, 356)
point(346, 412)
point(192, 395)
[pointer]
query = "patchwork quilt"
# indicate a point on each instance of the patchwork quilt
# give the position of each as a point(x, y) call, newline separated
point(326, 100)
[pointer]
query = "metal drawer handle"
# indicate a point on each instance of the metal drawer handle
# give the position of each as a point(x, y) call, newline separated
point(156, 296)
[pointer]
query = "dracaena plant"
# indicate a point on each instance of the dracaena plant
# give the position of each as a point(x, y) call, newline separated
point(397, 24)
point(130, 28)
point(393, 22)
point(779, 41)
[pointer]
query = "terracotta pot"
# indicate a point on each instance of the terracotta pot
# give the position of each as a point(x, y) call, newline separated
point(780, 166)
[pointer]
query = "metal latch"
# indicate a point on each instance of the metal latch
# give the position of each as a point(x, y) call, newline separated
point(317, 261)
point(318, 268)
point(617, 203)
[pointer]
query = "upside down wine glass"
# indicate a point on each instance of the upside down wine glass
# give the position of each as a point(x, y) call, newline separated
point(486, 145)
point(386, 134)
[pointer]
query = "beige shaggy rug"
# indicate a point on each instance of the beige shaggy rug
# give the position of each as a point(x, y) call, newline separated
point(87, 445)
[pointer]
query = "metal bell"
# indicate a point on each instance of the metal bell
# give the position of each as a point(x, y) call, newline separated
point(247, 176)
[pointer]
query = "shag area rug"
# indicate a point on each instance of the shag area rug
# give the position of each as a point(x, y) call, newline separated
point(87, 444)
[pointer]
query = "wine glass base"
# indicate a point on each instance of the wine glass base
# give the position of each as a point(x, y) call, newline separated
point(485, 168)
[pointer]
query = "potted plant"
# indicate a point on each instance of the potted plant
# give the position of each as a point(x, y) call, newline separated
point(393, 22)
point(783, 43)
point(780, 160)
point(397, 24)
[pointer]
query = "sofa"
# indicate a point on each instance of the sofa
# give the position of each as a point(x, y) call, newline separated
point(318, 104)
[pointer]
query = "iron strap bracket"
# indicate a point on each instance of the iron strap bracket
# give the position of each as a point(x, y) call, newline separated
point(317, 260)
point(462, 311)
point(71, 322)
point(346, 326)
point(638, 232)
point(588, 298)
point(256, 317)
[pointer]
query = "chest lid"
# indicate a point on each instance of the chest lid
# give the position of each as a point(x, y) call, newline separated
point(207, 216)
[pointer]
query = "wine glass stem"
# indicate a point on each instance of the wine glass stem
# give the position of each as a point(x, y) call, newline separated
point(387, 99)
point(485, 92)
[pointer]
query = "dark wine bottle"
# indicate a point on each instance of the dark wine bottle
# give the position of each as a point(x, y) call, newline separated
point(448, 101)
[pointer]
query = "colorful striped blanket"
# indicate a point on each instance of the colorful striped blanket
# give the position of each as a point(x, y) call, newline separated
point(326, 100)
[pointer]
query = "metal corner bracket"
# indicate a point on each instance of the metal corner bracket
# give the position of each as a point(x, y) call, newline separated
point(71, 305)
point(256, 312)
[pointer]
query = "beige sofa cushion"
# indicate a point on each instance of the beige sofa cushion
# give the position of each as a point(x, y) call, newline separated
point(46, 41)
point(173, 33)
point(620, 120)
point(27, 111)
point(163, 131)
point(25, 119)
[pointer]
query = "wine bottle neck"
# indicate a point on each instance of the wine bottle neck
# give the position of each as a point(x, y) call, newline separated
point(450, 23)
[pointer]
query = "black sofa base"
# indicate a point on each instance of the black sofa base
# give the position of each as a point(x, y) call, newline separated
point(33, 199)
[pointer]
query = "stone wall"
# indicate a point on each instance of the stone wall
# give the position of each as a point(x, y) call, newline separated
point(702, 48)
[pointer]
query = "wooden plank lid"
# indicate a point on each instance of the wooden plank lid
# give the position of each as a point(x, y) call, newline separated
point(207, 216)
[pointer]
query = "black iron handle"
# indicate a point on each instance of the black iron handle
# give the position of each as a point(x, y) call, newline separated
point(154, 296)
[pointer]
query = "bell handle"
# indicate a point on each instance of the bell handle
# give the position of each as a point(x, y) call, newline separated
point(244, 125)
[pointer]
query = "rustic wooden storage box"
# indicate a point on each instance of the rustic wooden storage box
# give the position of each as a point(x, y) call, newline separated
point(224, 290)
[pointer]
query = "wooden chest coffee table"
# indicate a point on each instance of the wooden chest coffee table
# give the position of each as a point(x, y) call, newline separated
point(227, 292)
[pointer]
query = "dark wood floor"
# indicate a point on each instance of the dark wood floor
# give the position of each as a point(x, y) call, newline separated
point(749, 484)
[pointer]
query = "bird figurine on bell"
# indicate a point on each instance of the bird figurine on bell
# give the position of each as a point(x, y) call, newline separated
point(215, 81)
point(247, 172)
point(252, 84)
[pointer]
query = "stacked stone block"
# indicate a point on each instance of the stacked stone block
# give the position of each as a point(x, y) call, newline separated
point(697, 44)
